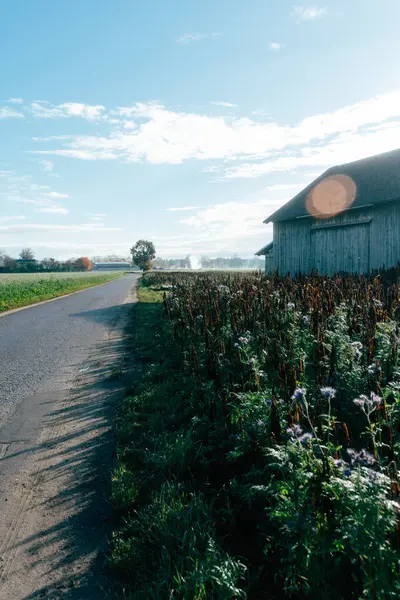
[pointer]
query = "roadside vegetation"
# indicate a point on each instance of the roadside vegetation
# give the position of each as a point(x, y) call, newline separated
point(257, 454)
point(18, 290)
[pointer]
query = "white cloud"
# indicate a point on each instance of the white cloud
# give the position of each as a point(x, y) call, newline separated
point(45, 110)
point(225, 104)
point(15, 218)
point(10, 113)
point(129, 124)
point(55, 210)
point(304, 12)
point(74, 109)
point(55, 195)
point(85, 227)
point(231, 226)
point(165, 136)
point(21, 189)
point(276, 46)
point(187, 38)
point(182, 208)
point(48, 165)
point(15, 101)
point(80, 154)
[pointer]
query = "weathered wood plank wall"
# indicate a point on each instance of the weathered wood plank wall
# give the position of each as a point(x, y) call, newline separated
point(356, 241)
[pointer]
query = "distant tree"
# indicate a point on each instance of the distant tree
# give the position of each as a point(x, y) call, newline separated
point(9, 263)
point(2, 256)
point(143, 252)
point(50, 264)
point(160, 263)
point(83, 264)
point(111, 258)
point(69, 265)
point(27, 254)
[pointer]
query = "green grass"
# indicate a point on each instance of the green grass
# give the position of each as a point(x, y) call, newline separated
point(17, 290)
point(166, 545)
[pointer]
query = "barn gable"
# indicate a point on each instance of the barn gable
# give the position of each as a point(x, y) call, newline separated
point(363, 236)
point(377, 181)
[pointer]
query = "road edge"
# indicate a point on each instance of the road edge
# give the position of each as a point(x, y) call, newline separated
point(90, 287)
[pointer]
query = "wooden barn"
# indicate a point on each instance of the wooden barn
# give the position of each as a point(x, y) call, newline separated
point(347, 220)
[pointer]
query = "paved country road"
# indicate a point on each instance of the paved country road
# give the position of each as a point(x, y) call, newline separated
point(55, 399)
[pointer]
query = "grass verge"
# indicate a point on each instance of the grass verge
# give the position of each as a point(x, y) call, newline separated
point(166, 546)
point(16, 292)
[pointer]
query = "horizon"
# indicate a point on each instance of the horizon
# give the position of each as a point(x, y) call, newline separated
point(188, 130)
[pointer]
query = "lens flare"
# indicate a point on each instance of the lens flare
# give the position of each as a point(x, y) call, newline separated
point(331, 196)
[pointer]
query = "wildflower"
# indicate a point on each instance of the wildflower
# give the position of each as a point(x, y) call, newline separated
point(299, 394)
point(305, 438)
point(373, 368)
point(357, 348)
point(362, 458)
point(268, 402)
point(306, 320)
point(328, 393)
point(295, 431)
point(368, 405)
point(356, 345)
point(347, 472)
point(290, 305)
point(224, 289)
point(338, 463)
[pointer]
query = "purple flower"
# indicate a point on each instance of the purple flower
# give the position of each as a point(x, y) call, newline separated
point(368, 405)
point(305, 438)
point(290, 305)
point(362, 458)
point(295, 431)
point(299, 394)
point(347, 472)
point(328, 393)
point(338, 463)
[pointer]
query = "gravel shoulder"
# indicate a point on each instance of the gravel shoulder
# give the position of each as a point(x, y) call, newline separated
point(56, 450)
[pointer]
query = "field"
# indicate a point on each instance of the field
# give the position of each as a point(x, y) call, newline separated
point(18, 290)
point(258, 453)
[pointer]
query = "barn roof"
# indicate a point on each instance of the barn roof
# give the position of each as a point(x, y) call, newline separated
point(377, 179)
point(265, 249)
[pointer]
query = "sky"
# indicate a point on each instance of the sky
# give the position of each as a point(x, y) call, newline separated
point(183, 122)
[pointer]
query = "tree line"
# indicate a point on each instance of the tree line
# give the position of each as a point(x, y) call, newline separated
point(205, 262)
point(26, 263)
point(143, 255)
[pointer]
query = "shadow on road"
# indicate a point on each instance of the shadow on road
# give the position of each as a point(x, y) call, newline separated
point(70, 519)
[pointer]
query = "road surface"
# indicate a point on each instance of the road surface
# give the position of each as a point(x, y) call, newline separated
point(55, 398)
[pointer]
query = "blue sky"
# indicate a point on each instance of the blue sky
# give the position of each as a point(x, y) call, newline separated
point(183, 122)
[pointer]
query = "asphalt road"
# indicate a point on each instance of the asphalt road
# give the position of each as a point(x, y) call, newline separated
point(57, 404)
point(43, 346)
